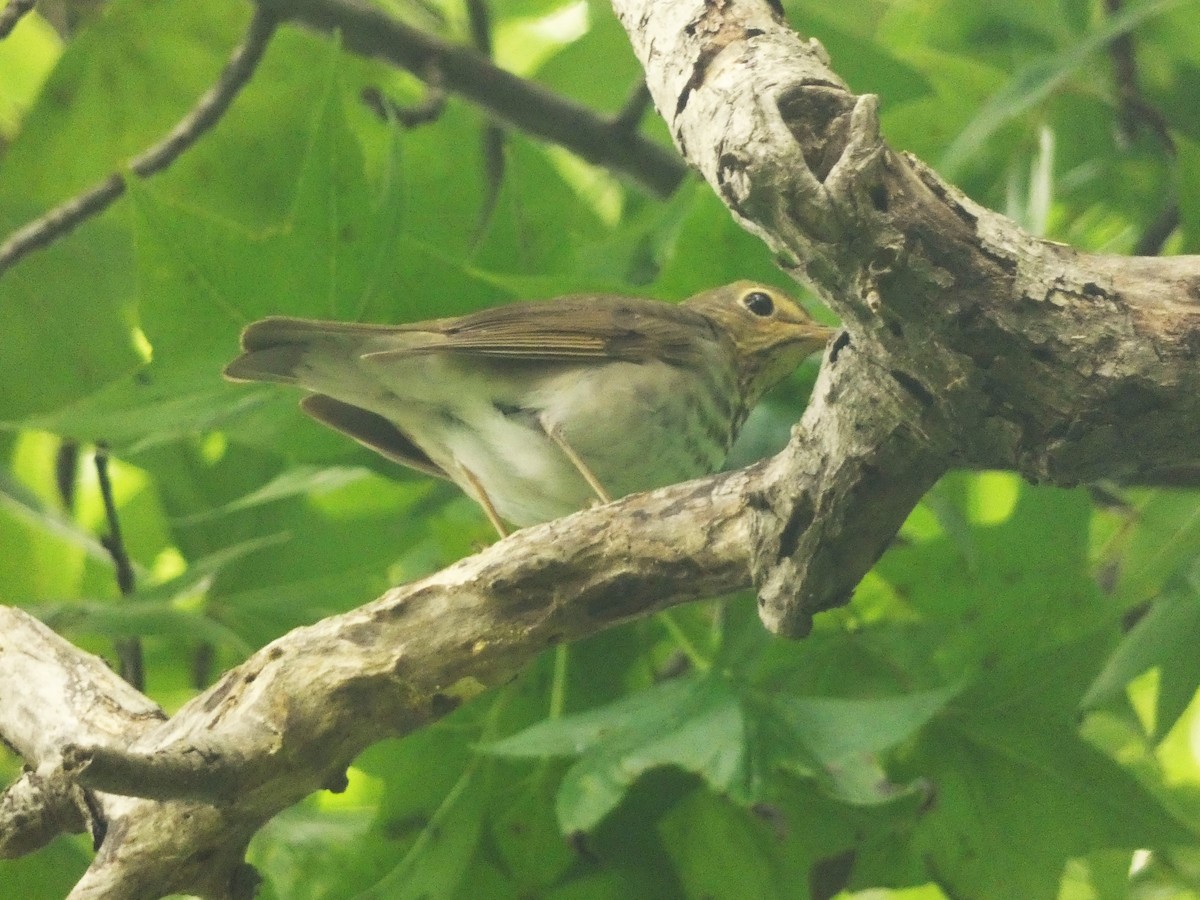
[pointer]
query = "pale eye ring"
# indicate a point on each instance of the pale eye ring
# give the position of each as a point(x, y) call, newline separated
point(759, 303)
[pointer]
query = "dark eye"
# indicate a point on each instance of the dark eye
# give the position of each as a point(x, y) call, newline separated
point(759, 303)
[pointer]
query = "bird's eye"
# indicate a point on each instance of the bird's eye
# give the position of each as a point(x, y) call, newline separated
point(759, 303)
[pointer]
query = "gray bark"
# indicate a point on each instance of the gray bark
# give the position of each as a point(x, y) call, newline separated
point(968, 342)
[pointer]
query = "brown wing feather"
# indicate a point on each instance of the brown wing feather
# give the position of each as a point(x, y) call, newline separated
point(370, 430)
point(572, 328)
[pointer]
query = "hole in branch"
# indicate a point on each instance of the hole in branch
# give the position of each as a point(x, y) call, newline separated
point(914, 387)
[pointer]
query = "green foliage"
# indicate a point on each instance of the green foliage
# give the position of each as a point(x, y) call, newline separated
point(1004, 709)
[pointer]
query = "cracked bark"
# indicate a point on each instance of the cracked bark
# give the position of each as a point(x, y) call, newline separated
point(970, 342)
point(290, 719)
point(967, 343)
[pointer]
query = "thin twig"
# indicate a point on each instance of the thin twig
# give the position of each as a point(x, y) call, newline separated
point(523, 104)
point(1155, 236)
point(129, 650)
point(203, 659)
point(203, 773)
point(422, 113)
point(493, 139)
point(1136, 112)
point(479, 21)
point(629, 117)
point(66, 465)
point(208, 110)
point(11, 15)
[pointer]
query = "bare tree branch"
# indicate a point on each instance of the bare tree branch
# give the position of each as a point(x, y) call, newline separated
point(300, 709)
point(59, 221)
point(211, 774)
point(36, 809)
point(513, 100)
point(1014, 352)
point(11, 15)
point(56, 695)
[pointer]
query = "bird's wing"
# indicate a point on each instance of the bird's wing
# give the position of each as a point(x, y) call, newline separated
point(370, 430)
point(571, 329)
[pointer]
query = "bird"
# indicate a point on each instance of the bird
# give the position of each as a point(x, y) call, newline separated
point(537, 409)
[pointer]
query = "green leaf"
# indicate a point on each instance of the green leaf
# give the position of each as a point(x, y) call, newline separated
point(695, 724)
point(700, 725)
point(1030, 589)
point(704, 247)
point(296, 482)
point(71, 139)
point(604, 47)
point(436, 862)
point(539, 219)
point(1035, 81)
point(836, 741)
point(44, 555)
point(60, 340)
point(49, 873)
point(526, 833)
point(1164, 539)
point(719, 852)
point(27, 55)
point(836, 730)
point(312, 851)
point(1018, 790)
point(1189, 194)
point(435, 807)
point(865, 64)
point(1165, 637)
point(165, 609)
point(142, 619)
point(66, 308)
point(22, 504)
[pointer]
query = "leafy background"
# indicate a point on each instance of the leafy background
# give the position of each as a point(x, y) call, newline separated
point(1007, 707)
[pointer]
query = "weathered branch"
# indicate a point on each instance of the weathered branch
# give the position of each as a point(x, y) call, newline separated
point(55, 695)
point(1019, 353)
point(59, 221)
point(300, 709)
point(290, 719)
point(523, 104)
point(211, 774)
point(36, 809)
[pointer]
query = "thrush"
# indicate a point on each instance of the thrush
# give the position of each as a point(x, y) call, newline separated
point(537, 409)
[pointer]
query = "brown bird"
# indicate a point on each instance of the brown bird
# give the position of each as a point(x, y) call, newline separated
point(537, 409)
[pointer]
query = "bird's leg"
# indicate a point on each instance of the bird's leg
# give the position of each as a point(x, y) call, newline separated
point(555, 434)
point(485, 501)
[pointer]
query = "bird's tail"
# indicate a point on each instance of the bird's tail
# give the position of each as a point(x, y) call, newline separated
point(287, 350)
